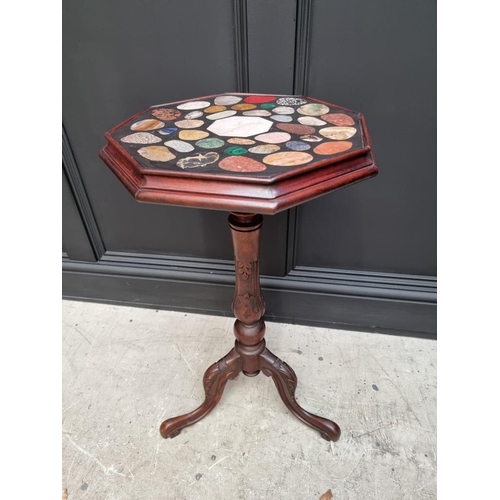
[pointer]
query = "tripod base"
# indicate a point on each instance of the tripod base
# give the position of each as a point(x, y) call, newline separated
point(217, 375)
point(250, 354)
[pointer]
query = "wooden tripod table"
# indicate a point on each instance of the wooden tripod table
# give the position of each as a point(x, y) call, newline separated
point(250, 155)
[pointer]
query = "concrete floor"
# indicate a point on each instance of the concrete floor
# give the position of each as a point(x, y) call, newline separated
point(127, 369)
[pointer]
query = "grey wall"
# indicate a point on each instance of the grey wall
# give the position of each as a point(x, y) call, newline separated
point(374, 265)
point(381, 61)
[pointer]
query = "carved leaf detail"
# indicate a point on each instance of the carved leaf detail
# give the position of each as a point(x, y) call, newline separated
point(214, 376)
point(211, 378)
point(286, 375)
point(249, 303)
point(244, 269)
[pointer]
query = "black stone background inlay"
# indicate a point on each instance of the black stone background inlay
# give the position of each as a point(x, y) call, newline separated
point(271, 170)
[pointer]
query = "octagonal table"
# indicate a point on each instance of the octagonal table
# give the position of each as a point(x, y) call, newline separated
point(251, 155)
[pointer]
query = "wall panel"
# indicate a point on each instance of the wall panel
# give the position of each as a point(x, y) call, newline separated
point(378, 58)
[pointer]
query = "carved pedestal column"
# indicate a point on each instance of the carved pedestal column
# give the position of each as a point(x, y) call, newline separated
point(249, 354)
point(248, 304)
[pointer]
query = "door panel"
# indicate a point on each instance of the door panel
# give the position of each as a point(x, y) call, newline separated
point(75, 241)
point(271, 44)
point(378, 58)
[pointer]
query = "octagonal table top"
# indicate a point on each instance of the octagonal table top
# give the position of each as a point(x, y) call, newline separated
point(239, 152)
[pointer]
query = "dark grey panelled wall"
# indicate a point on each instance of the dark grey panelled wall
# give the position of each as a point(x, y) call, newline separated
point(385, 66)
point(373, 268)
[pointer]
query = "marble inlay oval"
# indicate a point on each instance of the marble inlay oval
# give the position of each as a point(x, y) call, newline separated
point(287, 159)
point(259, 99)
point(194, 105)
point(192, 135)
point(281, 118)
point(339, 119)
point(156, 153)
point(241, 164)
point(313, 109)
point(215, 109)
point(223, 114)
point(257, 112)
point(180, 146)
point(311, 120)
point(338, 133)
point(144, 125)
point(331, 148)
point(283, 110)
point(298, 146)
point(311, 138)
point(268, 105)
point(189, 123)
point(193, 115)
point(295, 128)
point(167, 130)
point(210, 143)
point(166, 114)
point(291, 101)
point(227, 100)
point(199, 160)
point(243, 107)
point(264, 149)
point(241, 141)
point(235, 150)
point(141, 138)
point(274, 137)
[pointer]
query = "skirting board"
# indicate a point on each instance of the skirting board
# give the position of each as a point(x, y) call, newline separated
point(375, 302)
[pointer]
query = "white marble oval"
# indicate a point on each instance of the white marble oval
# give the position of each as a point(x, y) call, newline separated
point(180, 146)
point(311, 120)
point(281, 118)
point(222, 114)
point(227, 100)
point(283, 110)
point(274, 137)
point(257, 112)
point(193, 115)
point(194, 105)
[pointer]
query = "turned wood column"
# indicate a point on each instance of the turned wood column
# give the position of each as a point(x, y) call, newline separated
point(248, 304)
